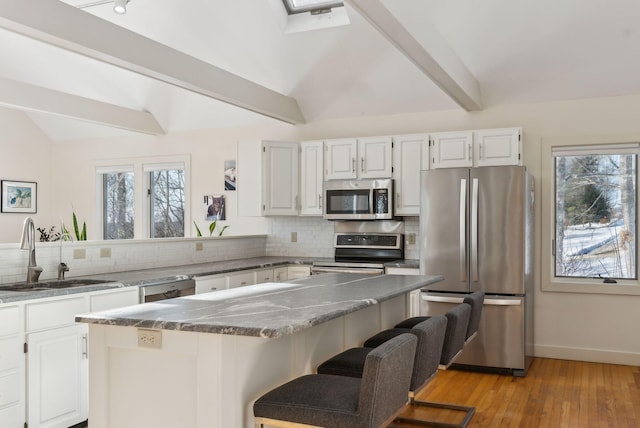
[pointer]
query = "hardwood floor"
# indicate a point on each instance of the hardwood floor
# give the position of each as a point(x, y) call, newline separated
point(555, 393)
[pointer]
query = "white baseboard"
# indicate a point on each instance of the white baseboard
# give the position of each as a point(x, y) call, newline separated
point(586, 354)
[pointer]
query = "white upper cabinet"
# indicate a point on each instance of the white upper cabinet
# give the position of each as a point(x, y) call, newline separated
point(267, 178)
point(497, 147)
point(374, 157)
point(311, 176)
point(341, 157)
point(486, 147)
point(451, 149)
point(410, 156)
point(352, 158)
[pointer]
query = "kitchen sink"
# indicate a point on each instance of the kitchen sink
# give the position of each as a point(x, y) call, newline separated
point(51, 285)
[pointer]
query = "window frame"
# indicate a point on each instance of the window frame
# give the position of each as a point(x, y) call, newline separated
point(141, 168)
point(549, 282)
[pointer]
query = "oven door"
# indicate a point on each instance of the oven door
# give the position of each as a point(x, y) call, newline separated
point(317, 270)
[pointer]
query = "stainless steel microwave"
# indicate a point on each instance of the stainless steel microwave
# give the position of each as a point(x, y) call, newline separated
point(358, 199)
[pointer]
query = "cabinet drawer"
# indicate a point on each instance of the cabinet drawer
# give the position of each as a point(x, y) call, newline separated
point(55, 313)
point(112, 300)
point(10, 353)
point(265, 275)
point(9, 320)
point(206, 284)
point(9, 388)
point(241, 279)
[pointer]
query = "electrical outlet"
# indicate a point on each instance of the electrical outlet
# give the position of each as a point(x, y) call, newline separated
point(294, 236)
point(198, 246)
point(105, 252)
point(150, 338)
point(411, 239)
point(79, 253)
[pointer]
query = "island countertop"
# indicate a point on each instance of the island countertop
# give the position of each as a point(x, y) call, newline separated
point(265, 310)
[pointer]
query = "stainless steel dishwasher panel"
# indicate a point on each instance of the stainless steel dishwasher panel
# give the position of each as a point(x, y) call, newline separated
point(500, 342)
point(168, 289)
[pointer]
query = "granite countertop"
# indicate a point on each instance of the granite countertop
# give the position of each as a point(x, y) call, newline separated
point(150, 276)
point(265, 310)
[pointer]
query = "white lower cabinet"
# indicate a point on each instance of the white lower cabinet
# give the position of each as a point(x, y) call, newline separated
point(44, 360)
point(280, 274)
point(263, 275)
point(208, 283)
point(298, 271)
point(241, 279)
point(57, 373)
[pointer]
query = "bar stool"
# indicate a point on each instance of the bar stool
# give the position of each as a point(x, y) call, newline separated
point(331, 401)
point(455, 329)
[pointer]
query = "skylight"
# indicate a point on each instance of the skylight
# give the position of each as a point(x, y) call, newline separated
point(313, 6)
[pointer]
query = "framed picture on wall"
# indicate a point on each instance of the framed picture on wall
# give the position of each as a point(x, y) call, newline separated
point(230, 175)
point(19, 196)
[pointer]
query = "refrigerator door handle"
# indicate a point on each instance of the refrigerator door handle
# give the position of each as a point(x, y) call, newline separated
point(442, 299)
point(463, 230)
point(487, 301)
point(474, 231)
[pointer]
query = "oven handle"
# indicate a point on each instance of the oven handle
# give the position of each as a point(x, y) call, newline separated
point(372, 271)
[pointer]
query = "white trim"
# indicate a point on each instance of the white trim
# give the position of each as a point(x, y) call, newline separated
point(587, 354)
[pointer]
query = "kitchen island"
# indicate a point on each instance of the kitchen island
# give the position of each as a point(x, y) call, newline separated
point(200, 361)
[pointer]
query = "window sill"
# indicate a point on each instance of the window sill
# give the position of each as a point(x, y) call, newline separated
point(629, 288)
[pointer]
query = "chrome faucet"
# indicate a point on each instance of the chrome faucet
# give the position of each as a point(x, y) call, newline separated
point(63, 267)
point(28, 242)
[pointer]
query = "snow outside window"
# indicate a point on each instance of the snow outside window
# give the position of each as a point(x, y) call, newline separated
point(595, 212)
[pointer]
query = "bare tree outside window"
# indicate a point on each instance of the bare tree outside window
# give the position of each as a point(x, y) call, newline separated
point(167, 202)
point(117, 204)
point(595, 216)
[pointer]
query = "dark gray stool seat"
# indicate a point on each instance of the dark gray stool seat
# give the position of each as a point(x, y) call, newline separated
point(333, 401)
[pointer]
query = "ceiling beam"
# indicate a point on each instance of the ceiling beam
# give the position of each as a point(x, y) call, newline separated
point(434, 57)
point(22, 96)
point(64, 26)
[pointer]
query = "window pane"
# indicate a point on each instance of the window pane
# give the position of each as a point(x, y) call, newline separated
point(167, 203)
point(117, 204)
point(300, 6)
point(595, 216)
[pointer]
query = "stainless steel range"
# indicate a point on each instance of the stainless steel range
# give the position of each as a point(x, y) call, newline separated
point(364, 247)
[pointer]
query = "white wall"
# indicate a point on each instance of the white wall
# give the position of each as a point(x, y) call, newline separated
point(568, 325)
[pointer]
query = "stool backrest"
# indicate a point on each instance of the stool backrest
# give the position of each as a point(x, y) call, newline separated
point(386, 379)
point(430, 334)
point(457, 324)
point(476, 300)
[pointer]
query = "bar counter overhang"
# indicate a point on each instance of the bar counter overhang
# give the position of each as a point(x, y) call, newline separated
point(220, 351)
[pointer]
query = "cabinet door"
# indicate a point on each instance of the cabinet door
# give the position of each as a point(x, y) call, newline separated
point(495, 147)
point(451, 149)
point(340, 159)
point(57, 377)
point(311, 173)
point(374, 157)
point(280, 274)
point(103, 301)
point(280, 161)
point(410, 156)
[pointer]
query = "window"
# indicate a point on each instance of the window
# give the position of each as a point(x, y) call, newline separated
point(313, 6)
point(143, 198)
point(117, 205)
point(166, 203)
point(595, 211)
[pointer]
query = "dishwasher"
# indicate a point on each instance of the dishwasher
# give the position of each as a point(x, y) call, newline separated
point(166, 289)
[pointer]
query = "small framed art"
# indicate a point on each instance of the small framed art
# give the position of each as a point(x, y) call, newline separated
point(19, 196)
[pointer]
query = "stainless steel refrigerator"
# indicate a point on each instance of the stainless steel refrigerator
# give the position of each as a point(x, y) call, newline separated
point(476, 229)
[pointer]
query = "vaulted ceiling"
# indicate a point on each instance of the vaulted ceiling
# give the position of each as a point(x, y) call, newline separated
point(174, 65)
